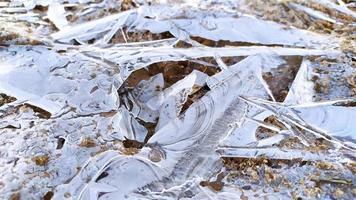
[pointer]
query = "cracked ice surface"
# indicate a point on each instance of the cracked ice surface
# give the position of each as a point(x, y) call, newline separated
point(83, 116)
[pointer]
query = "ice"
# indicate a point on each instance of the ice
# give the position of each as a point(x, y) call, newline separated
point(87, 110)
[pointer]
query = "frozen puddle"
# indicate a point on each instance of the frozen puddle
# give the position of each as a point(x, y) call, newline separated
point(183, 102)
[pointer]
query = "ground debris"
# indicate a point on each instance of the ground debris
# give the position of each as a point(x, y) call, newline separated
point(87, 142)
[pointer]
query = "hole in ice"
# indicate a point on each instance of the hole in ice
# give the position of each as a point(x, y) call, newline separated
point(41, 113)
point(40, 9)
point(128, 143)
point(280, 79)
point(5, 99)
point(87, 142)
point(291, 143)
point(60, 143)
point(195, 97)
point(150, 129)
point(172, 71)
point(246, 187)
point(216, 185)
point(224, 43)
point(138, 36)
point(263, 132)
point(127, 5)
point(15, 196)
point(346, 104)
point(101, 176)
point(48, 195)
point(320, 145)
point(75, 13)
point(41, 160)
